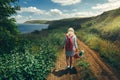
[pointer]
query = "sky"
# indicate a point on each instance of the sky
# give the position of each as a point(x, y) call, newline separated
point(60, 9)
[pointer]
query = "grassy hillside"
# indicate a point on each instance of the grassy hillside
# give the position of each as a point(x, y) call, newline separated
point(107, 25)
point(102, 34)
point(37, 21)
point(73, 22)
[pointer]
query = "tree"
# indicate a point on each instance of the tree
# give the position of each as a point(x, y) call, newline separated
point(8, 27)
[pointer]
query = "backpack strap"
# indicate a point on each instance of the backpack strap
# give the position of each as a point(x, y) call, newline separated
point(68, 36)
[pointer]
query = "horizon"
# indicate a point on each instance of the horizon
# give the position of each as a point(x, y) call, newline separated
point(60, 9)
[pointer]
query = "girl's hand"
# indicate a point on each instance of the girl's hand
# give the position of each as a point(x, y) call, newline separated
point(62, 47)
point(76, 50)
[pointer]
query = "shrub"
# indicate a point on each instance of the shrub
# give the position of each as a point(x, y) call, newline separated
point(28, 65)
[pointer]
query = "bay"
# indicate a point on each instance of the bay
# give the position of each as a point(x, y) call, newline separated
point(28, 28)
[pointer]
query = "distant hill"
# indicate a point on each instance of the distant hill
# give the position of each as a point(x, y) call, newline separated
point(37, 22)
point(70, 22)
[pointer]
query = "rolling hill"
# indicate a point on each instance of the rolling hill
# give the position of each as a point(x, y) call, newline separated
point(37, 22)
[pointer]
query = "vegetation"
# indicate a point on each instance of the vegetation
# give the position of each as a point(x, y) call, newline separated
point(103, 36)
point(37, 22)
point(85, 72)
point(24, 56)
point(34, 57)
point(33, 65)
point(8, 28)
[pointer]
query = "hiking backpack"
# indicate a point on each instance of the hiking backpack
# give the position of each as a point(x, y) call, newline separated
point(69, 44)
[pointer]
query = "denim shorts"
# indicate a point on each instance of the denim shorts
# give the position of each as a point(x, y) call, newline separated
point(69, 53)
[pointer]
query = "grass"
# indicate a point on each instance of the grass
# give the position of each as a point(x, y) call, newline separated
point(108, 51)
point(85, 71)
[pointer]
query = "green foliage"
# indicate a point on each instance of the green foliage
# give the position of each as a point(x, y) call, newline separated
point(86, 73)
point(83, 64)
point(6, 9)
point(8, 28)
point(28, 65)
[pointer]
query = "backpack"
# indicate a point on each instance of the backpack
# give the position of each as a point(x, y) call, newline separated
point(69, 44)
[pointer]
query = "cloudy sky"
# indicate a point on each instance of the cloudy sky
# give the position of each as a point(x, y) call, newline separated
point(59, 9)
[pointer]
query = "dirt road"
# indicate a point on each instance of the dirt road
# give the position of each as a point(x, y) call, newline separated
point(101, 70)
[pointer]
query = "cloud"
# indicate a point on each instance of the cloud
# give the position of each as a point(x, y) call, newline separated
point(112, 0)
point(110, 5)
point(52, 14)
point(18, 16)
point(80, 14)
point(66, 14)
point(31, 10)
point(66, 2)
point(56, 12)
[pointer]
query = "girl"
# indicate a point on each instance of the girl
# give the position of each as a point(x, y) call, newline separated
point(70, 46)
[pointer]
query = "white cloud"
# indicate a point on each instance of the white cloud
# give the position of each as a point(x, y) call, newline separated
point(52, 14)
point(66, 2)
point(112, 0)
point(18, 16)
point(110, 5)
point(31, 9)
point(55, 11)
point(80, 14)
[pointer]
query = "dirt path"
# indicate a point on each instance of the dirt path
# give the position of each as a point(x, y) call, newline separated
point(101, 70)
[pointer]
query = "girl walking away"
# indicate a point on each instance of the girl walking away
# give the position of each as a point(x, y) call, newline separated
point(71, 46)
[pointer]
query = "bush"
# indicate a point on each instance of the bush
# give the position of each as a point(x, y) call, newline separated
point(28, 65)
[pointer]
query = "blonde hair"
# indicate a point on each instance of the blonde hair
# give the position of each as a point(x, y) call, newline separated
point(71, 31)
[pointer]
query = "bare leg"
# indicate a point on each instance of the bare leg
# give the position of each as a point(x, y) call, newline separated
point(67, 60)
point(70, 61)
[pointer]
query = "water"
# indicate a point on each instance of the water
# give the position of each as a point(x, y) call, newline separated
point(27, 28)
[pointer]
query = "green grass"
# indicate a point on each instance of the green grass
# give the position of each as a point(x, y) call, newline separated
point(108, 50)
point(85, 71)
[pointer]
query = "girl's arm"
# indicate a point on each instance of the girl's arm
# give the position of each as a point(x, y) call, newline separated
point(75, 43)
point(64, 41)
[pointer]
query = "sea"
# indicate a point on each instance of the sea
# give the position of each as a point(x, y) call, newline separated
point(28, 28)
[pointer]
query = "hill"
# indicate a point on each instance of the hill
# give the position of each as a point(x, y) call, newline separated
point(106, 25)
point(37, 21)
